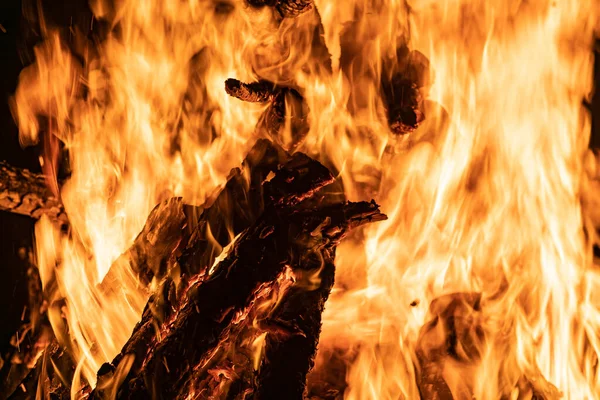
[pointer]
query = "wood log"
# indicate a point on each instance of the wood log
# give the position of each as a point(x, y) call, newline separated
point(237, 206)
point(286, 110)
point(199, 234)
point(294, 182)
point(403, 80)
point(277, 239)
point(24, 192)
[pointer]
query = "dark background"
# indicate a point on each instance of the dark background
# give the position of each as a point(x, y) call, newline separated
point(17, 39)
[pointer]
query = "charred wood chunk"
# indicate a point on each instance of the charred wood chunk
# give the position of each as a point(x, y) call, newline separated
point(286, 118)
point(255, 92)
point(403, 81)
point(288, 359)
point(237, 206)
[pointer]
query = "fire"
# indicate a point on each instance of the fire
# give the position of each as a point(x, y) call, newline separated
point(484, 197)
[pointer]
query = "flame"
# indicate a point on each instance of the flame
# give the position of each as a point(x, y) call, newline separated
point(483, 197)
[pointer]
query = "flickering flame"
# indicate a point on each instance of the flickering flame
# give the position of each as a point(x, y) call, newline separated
point(484, 197)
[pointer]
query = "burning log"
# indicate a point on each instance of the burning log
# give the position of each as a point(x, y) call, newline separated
point(235, 208)
point(277, 239)
point(288, 232)
point(283, 218)
point(26, 193)
point(402, 82)
point(286, 110)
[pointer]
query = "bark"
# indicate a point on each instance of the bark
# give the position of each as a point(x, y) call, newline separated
point(26, 193)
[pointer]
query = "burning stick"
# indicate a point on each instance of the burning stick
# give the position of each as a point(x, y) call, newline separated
point(402, 83)
point(286, 111)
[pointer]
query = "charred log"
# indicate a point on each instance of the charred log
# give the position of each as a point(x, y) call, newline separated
point(26, 193)
point(209, 307)
point(402, 82)
point(286, 233)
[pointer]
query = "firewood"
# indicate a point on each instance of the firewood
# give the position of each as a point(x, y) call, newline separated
point(286, 110)
point(24, 192)
point(402, 82)
point(294, 182)
point(235, 208)
point(277, 239)
point(269, 176)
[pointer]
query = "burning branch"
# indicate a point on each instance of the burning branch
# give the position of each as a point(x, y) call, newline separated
point(286, 112)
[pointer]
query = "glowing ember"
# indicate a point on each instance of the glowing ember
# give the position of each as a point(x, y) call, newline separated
point(478, 157)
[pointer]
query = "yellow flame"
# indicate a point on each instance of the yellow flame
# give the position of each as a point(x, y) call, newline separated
point(485, 196)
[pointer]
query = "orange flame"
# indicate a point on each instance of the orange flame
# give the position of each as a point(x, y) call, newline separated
point(485, 196)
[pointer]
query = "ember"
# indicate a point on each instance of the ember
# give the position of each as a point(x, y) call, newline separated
point(288, 199)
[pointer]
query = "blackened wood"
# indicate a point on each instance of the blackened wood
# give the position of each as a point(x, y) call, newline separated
point(288, 359)
point(286, 110)
point(255, 92)
point(266, 182)
point(26, 193)
point(277, 239)
point(402, 82)
point(237, 206)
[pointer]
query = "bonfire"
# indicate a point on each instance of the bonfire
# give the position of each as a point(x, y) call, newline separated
point(310, 199)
